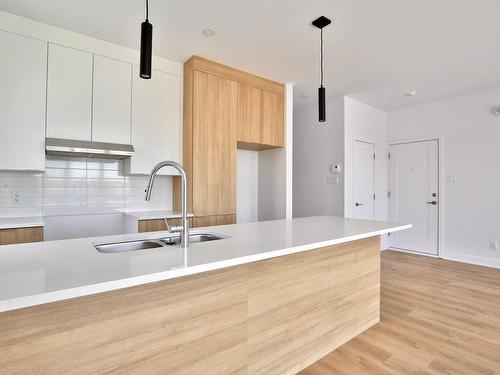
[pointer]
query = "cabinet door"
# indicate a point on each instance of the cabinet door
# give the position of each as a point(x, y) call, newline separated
point(249, 114)
point(111, 100)
point(272, 119)
point(214, 145)
point(22, 102)
point(156, 121)
point(69, 93)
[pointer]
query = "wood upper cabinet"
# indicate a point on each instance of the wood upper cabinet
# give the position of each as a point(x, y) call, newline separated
point(272, 119)
point(260, 118)
point(249, 113)
point(213, 177)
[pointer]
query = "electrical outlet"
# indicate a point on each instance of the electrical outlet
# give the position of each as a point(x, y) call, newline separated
point(17, 197)
point(494, 245)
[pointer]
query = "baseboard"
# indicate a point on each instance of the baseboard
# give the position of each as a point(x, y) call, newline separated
point(413, 252)
point(471, 259)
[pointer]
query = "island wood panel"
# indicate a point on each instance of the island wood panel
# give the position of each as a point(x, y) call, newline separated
point(214, 145)
point(21, 235)
point(191, 325)
point(303, 306)
point(155, 225)
point(437, 317)
point(274, 316)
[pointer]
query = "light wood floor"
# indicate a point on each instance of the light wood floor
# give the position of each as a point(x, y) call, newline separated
point(437, 317)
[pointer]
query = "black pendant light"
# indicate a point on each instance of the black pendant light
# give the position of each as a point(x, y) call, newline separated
point(320, 23)
point(146, 46)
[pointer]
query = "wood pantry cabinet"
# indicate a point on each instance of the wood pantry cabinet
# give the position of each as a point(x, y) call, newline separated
point(224, 109)
point(260, 118)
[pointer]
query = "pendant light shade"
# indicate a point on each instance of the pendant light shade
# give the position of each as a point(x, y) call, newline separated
point(320, 23)
point(146, 47)
point(321, 104)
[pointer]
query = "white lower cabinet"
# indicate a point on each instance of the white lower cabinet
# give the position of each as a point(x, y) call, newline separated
point(156, 122)
point(111, 100)
point(23, 68)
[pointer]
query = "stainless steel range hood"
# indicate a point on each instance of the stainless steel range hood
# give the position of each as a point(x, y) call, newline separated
point(87, 149)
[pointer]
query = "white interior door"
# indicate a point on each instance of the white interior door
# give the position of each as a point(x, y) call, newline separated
point(363, 180)
point(413, 174)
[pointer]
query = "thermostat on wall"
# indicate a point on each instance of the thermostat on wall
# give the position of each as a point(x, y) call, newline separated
point(496, 110)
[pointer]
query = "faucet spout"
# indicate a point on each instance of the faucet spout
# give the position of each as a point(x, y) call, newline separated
point(184, 227)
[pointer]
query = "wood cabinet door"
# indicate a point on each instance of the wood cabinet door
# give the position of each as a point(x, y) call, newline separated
point(272, 119)
point(249, 113)
point(214, 145)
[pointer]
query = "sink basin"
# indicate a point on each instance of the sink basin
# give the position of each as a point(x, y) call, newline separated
point(173, 240)
point(120, 247)
point(193, 238)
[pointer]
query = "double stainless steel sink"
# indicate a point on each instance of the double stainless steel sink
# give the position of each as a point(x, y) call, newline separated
point(144, 244)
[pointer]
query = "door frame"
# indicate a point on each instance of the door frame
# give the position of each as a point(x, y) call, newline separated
point(352, 173)
point(441, 190)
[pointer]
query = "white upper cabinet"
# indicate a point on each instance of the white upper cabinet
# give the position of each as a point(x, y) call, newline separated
point(111, 100)
point(69, 93)
point(156, 121)
point(23, 68)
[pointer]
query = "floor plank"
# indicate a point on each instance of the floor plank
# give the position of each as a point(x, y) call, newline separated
point(437, 317)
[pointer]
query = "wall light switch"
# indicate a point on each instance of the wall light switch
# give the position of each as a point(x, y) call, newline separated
point(494, 245)
point(451, 179)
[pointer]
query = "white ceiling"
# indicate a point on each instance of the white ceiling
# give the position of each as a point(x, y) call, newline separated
point(376, 50)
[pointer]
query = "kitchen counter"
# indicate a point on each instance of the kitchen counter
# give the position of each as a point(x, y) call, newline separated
point(39, 273)
point(152, 215)
point(21, 222)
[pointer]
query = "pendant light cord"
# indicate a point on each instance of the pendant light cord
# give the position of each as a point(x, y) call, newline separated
point(147, 10)
point(321, 59)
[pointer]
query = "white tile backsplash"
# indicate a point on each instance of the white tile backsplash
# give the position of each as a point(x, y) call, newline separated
point(79, 186)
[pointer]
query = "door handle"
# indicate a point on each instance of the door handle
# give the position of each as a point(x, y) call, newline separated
point(358, 204)
point(432, 202)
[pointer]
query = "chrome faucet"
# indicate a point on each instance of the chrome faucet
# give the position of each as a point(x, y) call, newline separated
point(184, 227)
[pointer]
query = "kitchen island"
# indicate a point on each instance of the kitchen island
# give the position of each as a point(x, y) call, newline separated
point(271, 297)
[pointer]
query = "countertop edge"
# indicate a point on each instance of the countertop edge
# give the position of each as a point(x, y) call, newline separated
point(82, 291)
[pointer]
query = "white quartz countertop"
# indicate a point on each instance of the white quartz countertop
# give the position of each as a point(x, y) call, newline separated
point(151, 215)
point(43, 272)
point(21, 222)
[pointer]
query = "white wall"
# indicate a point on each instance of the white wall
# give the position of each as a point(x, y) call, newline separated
point(315, 146)
point(272, 184)
point(471, 152)
point(368, 124)
point(247, 186)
